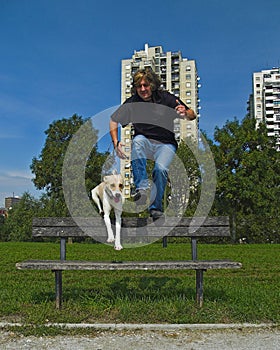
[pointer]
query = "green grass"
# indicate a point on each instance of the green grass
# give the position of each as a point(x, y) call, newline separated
point(250, 294)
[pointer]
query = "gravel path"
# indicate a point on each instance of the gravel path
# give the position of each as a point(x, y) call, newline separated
point(234, 338)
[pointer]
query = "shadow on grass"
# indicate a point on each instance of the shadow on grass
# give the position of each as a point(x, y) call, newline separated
point(132, 289)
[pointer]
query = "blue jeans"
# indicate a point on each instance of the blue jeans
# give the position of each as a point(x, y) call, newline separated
point(162, 154)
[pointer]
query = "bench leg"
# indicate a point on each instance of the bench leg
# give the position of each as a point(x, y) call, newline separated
point(199, 287)
point(58, 289)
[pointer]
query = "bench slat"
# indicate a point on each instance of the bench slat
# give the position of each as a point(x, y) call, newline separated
point(99, 233)
point(128, 221)
point(126, 265)
point(131, 227)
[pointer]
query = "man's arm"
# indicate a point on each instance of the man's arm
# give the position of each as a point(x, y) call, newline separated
point(113, 126)
point(114, 132)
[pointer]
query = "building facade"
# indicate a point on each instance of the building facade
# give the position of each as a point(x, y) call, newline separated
point(11, 201)
point(264, 104)
point(178, 75)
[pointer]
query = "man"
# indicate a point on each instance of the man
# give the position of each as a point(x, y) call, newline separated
point(154, 137)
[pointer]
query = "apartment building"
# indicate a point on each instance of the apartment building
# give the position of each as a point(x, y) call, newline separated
point(265, 101)
point(178, 75)
point(11, 201)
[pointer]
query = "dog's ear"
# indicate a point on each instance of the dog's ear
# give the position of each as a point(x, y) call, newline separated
point(105, 178)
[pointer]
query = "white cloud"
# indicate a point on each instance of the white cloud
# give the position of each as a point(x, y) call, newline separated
point(10, 136)
point(15, 182)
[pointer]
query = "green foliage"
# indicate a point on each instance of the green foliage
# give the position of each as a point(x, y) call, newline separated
point(67, 138)
point(248, 171)
point(47, 168)
point(19, 222)
point(189, 180)
point(63, 134)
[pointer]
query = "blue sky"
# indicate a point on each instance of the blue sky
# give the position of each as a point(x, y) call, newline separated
point(60, 57)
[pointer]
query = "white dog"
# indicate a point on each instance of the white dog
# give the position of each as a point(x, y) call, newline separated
point(109, 192)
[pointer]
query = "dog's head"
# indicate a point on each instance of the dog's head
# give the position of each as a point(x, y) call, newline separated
point(114, 187)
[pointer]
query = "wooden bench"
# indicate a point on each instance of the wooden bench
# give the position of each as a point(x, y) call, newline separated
point(132, 228)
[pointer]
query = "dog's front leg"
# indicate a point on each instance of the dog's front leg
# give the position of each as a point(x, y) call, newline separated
point(118, 214)
point(107, 209)
point(110, 233)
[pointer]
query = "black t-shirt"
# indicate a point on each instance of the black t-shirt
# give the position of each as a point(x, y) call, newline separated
point(153, 119)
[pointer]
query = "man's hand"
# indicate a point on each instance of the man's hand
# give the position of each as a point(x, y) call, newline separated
point(180, 109)
point(119, 151)
point(184, 113)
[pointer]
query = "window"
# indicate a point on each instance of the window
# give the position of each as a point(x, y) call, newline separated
point(188, 85)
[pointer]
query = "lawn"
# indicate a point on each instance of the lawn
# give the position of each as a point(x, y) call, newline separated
point(250, 294)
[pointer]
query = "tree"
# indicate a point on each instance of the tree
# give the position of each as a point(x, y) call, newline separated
point(248, 170)
point(18, 224)
point(190, 180)
point(48, 167)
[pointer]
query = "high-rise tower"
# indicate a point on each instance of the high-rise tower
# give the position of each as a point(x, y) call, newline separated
point(265, 101)
point(178, 75)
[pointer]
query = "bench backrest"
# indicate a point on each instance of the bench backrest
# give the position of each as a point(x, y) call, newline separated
point(132, 228)
point(95, 227)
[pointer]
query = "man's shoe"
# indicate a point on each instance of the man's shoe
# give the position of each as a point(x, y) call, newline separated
point(140, 197)
point(156, 214)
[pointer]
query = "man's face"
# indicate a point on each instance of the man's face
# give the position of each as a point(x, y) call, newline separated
point(144, 90)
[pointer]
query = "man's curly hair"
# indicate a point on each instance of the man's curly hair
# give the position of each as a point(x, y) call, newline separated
point(149, 76)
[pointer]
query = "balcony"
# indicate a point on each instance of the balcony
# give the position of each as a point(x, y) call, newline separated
point(175, 77)
point(175, 86)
